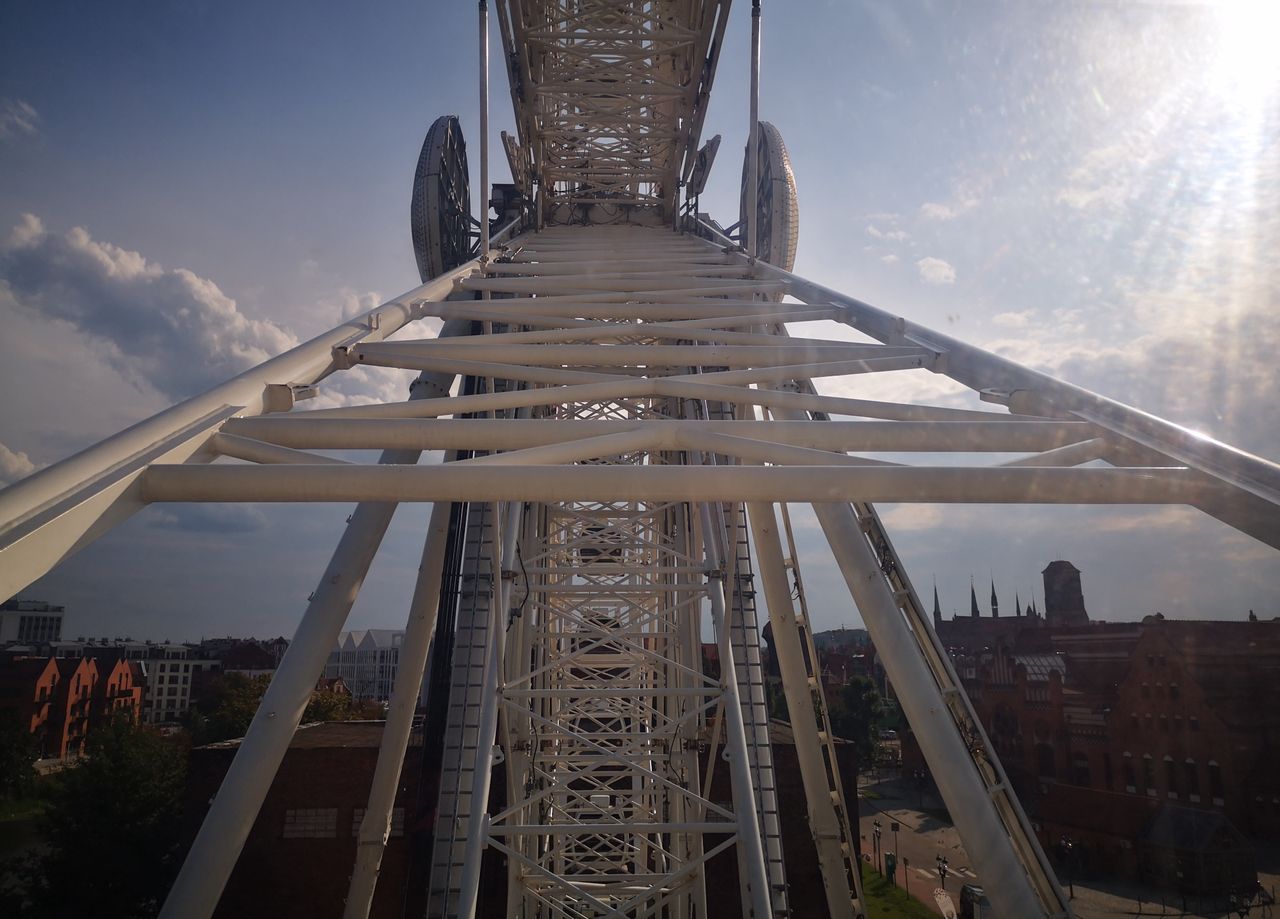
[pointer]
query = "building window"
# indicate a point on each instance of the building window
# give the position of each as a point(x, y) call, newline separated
point(311, 823)
point(1174, 692)
point(1080, 770)
point(1194, 723)
point(1171, 777)
point(1146, 690)
point(1164, 722)
point(1133, 720)
point(397, 821)
point(1106, 769)
point(1177, 722)
point(1044, 761)
point(1215, 783)
point(1130, 779)
point(1148, 775)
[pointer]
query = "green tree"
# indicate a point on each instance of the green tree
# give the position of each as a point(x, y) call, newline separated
point(230, 707)
point(326, 705)
point(855, 713)
point(112, 827)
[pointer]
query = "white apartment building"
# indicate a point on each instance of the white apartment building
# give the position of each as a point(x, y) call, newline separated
point(30, 622)
point(170, 670)
point(367, 660)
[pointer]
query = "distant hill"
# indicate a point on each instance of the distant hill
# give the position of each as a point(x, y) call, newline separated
point(836, 638)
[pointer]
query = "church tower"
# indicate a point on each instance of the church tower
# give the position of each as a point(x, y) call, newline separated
point(1063, 596)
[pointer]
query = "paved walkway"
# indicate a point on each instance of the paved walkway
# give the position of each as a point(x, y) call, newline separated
point(922, 837)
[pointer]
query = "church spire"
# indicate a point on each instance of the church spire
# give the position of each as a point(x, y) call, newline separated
point(937, 610)
point(973, 599)
point(1017, 604)
point(995, 604)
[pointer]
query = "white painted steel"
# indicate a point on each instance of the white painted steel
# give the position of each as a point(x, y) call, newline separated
point(216, 848)
point(375, 827)
point(897, 484)
point(49, 515)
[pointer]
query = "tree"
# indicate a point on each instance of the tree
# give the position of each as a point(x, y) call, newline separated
point(18, 754)
point(326, 705)
point(855, 716)
point(112, 827)
point(230, 708)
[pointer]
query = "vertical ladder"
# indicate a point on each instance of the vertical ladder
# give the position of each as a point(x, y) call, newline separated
point(462, 724)
point(748, 662)
point(813, 679)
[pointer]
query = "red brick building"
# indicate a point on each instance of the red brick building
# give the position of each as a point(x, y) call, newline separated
point(27, 688)
point(118, 691)
point(1153, 746)
point(72, 706)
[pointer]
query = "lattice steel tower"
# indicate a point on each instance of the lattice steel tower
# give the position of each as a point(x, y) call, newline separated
point(625, 419)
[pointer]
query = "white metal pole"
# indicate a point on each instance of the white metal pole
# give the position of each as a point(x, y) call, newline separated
point(823, 821)
point(985, 839)
point(376, 825)
point(753, 137)
point(505, 533)
point(213, 855)
point(484, 130)
point(750, 846)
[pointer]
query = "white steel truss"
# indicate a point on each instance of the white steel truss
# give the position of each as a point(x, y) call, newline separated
point(610, 98)
point(634, 420)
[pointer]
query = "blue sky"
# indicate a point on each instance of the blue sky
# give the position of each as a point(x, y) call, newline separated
point(1090, 188)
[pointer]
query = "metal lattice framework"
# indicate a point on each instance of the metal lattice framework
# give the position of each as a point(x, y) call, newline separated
point(610, 97)
point(624, 419)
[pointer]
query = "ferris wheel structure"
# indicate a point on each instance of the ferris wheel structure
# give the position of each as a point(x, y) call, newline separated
point(626, 423)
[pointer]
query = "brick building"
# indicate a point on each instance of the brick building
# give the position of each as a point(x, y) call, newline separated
point(27, 687)
point(71, 706)
point(299, 854)
point(118, 691)
point(1153, 746)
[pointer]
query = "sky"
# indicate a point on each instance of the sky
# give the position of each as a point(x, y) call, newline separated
point(1090, 188)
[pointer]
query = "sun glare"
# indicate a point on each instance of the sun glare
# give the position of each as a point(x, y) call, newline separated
point(1247, 65)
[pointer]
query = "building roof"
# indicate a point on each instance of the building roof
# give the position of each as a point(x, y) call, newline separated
point(1040, 666)
point(322, 736)
point(367, 639)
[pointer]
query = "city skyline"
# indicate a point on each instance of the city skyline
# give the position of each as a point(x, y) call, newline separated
point(1067, 187)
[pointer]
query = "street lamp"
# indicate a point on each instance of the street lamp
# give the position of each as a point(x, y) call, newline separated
point(875, 831)
point(1067, 845)
point(942, 870)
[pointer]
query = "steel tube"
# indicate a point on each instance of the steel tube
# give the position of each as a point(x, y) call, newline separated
point(823, 822)
point(919, 484)
point(755, 876)
point(482, 434)
point(484, 130)
point(218, 843)
point(49, 515)
point(753, 137)
point(1003, 877)
point(376, 825)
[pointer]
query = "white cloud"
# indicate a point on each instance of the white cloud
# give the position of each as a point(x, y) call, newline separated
point(18, 118)
point(171, 329)
point(889, 259)
point(1018, 320)
point(14, 465)
point(936, 271)
point(891, 235)
point(933, 211)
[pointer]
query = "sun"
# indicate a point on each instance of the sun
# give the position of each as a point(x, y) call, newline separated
point(1246, 68)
